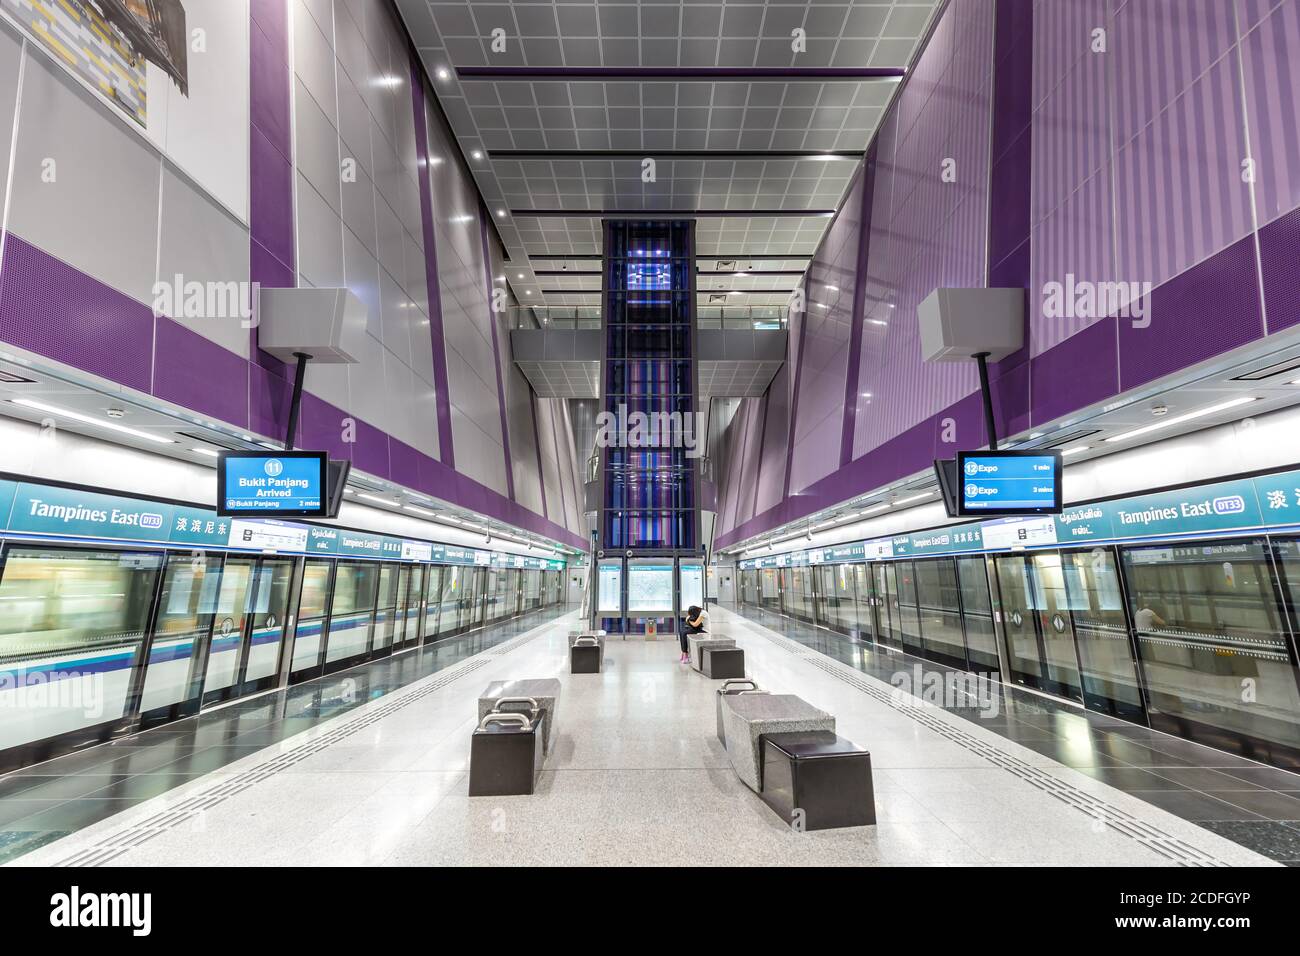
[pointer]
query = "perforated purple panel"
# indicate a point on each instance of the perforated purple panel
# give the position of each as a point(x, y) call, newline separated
point(1279, 251)
point(52, 309)
point(1208, 310)
point(1078, 372)
point(198, 374)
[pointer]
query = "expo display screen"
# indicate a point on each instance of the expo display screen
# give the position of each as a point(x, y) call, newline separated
point(272, 484)
point(692, 585)
point(650, 587)
point(1009, 482)
point(610, 584)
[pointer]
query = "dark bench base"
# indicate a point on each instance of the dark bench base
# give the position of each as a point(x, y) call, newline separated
point(821, 774)
point(723, 663)
point(584, 659)
point(505, 761)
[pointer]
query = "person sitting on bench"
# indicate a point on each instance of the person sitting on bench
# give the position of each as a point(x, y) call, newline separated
point(697, 622)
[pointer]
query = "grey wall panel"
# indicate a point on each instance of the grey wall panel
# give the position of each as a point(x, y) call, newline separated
point(107, 183)
point(202, 242)
point(313, 61)
point(478, 455)
point(362, 272)
point(320, 239)
point(11, 52)
point(392, 238)
point(359, 210)
point(395, 314)
point(317, 146)
point(322, 14)
point(426, 416)
point(354, 123)
point(416, 280)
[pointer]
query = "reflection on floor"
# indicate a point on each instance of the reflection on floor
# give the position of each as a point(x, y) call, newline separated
point(1252, 804)
point(42, 803)
point(636, 776)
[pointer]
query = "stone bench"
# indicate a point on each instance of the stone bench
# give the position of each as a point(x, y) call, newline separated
point(721, 663)
point(586, 654)
point(696, 643)
point(741, 685)
point(506, 753)
point(747, 717)
point(545, 691)
point(816, 780)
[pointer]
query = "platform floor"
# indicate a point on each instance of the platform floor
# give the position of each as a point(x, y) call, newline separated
point(637, 776)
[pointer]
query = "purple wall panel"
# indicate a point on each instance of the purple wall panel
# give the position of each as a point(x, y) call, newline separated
point(1279, 251)
point(1082, 370)
point(776, 424)
point(1179, 182)
point(1271, 61)
point(52, 309)
point(831, 289)
point(1160, 48)
point(195, 373)
point(1209, 309)
point(271, 200)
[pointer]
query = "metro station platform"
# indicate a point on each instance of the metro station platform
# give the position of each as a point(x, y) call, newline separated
point(637, 776)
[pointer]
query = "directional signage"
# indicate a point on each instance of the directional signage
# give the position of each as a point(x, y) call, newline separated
point(1008, 482)
point(279, 484)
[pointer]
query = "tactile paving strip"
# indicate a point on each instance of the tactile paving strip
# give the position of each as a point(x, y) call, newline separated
point(119, 842)
point(1104, 813)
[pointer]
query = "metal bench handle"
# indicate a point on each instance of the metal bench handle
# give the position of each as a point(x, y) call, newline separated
point(736, 681)
point(530, 701)
point(586, 642)
point(518, 720)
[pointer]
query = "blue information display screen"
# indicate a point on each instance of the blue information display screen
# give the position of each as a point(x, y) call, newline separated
point(1009, 482)
point(272, 484)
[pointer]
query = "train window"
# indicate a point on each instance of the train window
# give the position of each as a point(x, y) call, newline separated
point(453, 586)
point(433, 596)
point(71, 627)
point(977, 613)
point(351, 609)
point(310, 630)
point(386, 615)
point(1210, 635)
point(1096, 604)
point(940, 609)
point(189, 602)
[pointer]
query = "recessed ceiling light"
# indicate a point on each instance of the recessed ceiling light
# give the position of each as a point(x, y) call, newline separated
point(519, 275)
point(424, 512)
point(477, 154)
point(90, 420)
point(501, 214)
point(908, 500)
point(1179, 419)
point(205, 451)
point(377, 500)
point(442, 73)
point(1075, 450)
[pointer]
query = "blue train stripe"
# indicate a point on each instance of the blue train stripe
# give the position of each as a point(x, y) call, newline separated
point(21, 676)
